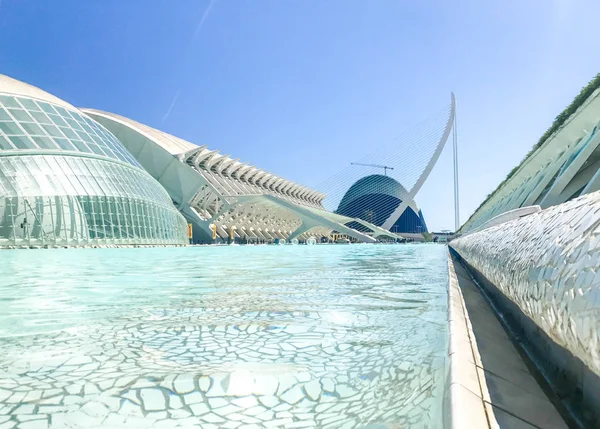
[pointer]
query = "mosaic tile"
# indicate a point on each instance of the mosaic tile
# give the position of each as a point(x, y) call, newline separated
point(548, 264)
point(239, 360)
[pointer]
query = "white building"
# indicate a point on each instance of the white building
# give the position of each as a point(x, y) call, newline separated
point(225, 197)
point(565, 166)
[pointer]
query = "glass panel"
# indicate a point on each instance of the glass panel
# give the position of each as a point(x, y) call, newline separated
point(45, 143)
point(41, 117)
point(53, 131)
point(46, 107)
point(88, 170)
point(73, 124)
point(4, 192)
point(125, 218)
point(114, 218)
point(62, 111)
point(143, 219)
point(8, 168)
point(21, 115)
point(25, 181)
point(64, 143)
point(9, 101)
point(11, 128)
point(87, 128)
point(77, 116)
point(134, 219)
point(4, 116)
point(57, 120)
point(122, 158)
point(84, 136)
point(94, 134)
point(104, 222)
point(29, 104)
point(96, 149)
point(88, 208)
point(110, 153)
point(91, 123)
point(5, 143)
point(69, 133)
point(70, 175)
point(100, 142)
point(22, 142)
point(33, 129)
point(122, 217)
point(81, 146)
point(98, 220)
point(85, 206)
point(117, 180)
point(43, 187)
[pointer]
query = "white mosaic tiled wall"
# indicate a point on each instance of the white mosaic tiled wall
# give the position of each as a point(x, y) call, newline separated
point(548, 263)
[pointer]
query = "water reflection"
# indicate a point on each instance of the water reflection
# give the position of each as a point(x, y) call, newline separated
point(224, 337)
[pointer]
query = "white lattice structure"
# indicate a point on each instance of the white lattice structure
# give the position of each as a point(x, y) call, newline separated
point(221, 195)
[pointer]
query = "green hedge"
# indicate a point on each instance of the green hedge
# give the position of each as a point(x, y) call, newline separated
point(583, 95)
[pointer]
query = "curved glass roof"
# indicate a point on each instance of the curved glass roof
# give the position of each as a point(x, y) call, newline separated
point(66, 180)
point(32, 124)
point(13, 86)
point(375, 184)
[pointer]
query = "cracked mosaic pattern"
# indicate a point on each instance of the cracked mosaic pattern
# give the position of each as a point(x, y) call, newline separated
point(548, 263)
point(342, 337)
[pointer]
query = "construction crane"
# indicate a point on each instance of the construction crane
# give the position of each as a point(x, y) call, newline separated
point(385, 167)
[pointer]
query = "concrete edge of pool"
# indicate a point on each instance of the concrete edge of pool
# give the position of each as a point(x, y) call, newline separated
point(489, 385)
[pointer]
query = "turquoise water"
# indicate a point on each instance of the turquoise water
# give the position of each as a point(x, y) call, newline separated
point(224, 337)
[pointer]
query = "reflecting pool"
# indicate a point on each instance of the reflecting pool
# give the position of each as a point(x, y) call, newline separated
point(288, 336)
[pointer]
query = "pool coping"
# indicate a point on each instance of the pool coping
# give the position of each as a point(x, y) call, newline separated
point(489, 382)
point(464, 403)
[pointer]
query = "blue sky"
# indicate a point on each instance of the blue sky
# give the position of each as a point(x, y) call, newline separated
point(302, 88)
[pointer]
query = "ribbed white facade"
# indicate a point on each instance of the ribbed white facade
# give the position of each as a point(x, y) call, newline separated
point(222, 196)
point(565, 166)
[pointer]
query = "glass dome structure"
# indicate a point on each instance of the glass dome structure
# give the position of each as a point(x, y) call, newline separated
point(374, 198)
point(67, 181)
